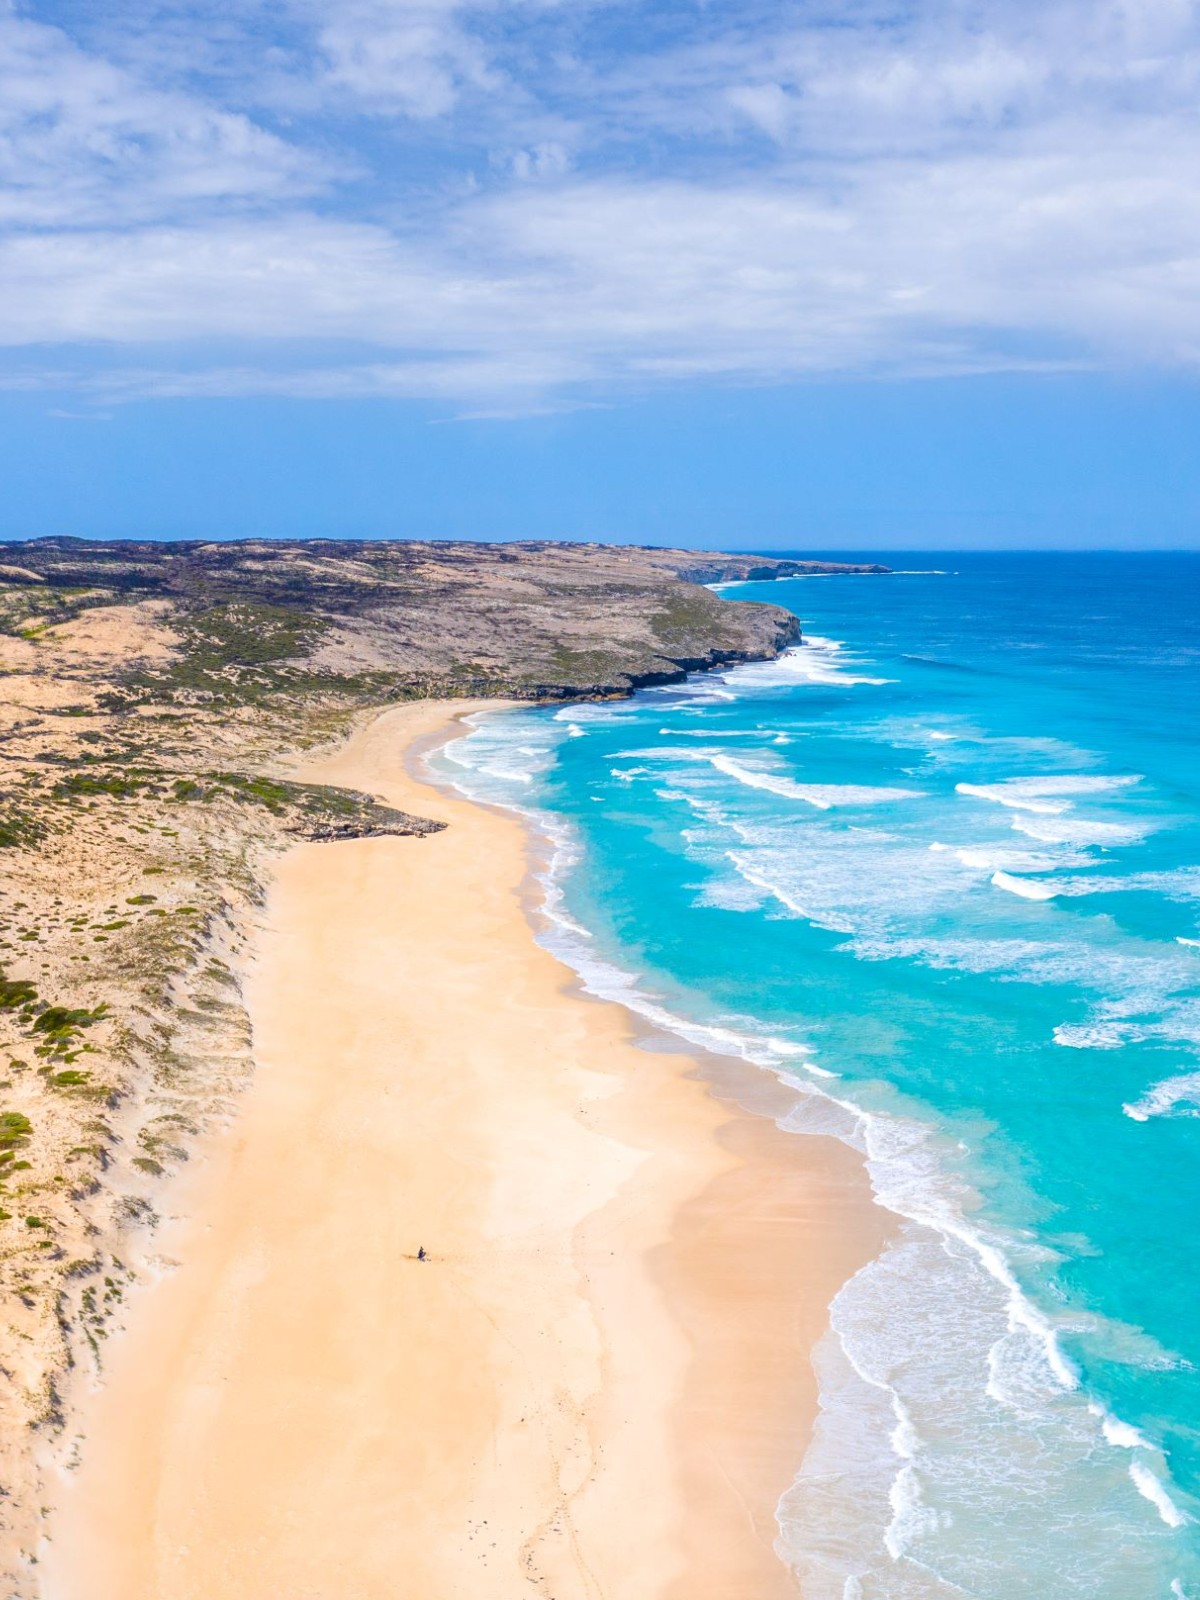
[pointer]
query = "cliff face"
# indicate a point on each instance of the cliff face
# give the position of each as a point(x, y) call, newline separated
point(152, 701)
point(380, 619)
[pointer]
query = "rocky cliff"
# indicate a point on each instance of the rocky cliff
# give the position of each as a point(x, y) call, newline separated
point(380, 619)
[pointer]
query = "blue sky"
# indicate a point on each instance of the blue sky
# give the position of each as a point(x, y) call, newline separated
point(755, 273)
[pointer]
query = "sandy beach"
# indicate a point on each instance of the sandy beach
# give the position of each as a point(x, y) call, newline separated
point(597, 1385)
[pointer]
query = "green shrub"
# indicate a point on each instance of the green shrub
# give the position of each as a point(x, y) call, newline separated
point(119, 786)
point(15, 992)
point(58, 1021)
point(19, 830)
point(15, 1129)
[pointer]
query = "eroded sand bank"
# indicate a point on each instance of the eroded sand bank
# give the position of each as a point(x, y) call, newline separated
point(597, 1385)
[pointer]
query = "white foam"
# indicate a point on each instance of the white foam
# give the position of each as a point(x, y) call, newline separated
point(908, 1329)
point(1173, 1097)
point(822, 796)
point(1018, 799)
point(1048, 795)
point(953, 740)
point(1080, 832)
point(1119, 1433)
point(969, 858)
point(713, 733)
point(912, 1519)
point(506, 759)
point(736, 1036)
point(1026, 888)
point(1181, 883)
point(1152, 1489)
point(905, 1172)
point(860, 879)
point(787, 788)
point(817, 660)
point(746, 868)
point(585, 712)
point(1090, 1036)
point(1002, 858)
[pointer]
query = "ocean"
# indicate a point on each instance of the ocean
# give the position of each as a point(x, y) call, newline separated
point(939, 868)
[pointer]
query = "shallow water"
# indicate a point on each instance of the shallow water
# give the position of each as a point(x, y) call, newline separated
point(940, 867)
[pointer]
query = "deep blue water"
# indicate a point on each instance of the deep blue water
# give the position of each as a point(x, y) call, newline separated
point(940, 868)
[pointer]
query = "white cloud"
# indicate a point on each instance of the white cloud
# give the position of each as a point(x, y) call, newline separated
point(547, 159)
point(950, 187)
point(82, 140)
point(408, 56)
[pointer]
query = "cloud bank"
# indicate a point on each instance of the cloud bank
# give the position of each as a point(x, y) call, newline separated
point(508, 203)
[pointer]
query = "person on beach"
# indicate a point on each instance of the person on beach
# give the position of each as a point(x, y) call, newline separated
point(421, 1256)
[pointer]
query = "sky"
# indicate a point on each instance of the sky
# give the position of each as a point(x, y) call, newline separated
point(921, 274)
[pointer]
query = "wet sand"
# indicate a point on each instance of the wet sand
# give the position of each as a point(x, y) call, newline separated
point(596, 1386)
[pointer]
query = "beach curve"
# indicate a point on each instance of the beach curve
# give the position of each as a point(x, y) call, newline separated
point(596, 1385)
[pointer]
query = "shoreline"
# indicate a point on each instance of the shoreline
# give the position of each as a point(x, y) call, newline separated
point(599, 1384)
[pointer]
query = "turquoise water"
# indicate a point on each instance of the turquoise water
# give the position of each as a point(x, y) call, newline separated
point(940, 868)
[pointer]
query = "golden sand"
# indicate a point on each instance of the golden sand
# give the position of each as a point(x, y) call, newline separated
point(596, 1386)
